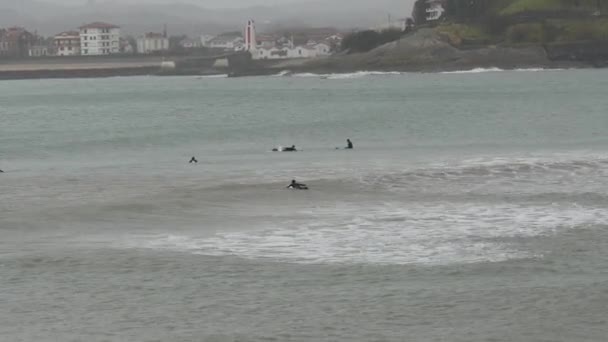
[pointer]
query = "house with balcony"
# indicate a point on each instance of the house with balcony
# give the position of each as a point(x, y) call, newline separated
point(99, 39)
point(67, 43)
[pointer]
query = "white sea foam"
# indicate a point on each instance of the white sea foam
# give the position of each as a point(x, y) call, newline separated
point(495, 69)
point(283, 73)
point(215, 76)
point(474, 71)
point(358, 74)
point(389, 234)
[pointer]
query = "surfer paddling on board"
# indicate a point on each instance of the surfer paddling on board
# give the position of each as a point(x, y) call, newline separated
point(297, 186)
point(286, 149)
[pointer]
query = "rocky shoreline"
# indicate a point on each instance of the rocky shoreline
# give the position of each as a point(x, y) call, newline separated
point(426, 51)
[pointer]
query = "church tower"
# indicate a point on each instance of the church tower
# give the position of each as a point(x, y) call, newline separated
point(250, 41)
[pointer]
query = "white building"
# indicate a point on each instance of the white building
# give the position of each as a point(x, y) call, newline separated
point(300, 51)
point(228, 41)
point(67, 43)
point(152, 42)
point(435, 11)
point(97, 39)
point(322, 49)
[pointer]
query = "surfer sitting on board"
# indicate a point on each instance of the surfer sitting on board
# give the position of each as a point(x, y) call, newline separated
point(297, 186)
point(349, 144)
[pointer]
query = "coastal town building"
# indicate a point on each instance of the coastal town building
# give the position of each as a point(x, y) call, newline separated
point(230, 41)
point(275, 46)
point(15, 42)
point(40, 49)
point(189, 43)
point(311, 50)
point(67, 43)
point(435, 10)
point(152, 43)
point(98, 39)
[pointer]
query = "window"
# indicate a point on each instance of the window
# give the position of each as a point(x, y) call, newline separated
point(85, 51)
point(86, 44)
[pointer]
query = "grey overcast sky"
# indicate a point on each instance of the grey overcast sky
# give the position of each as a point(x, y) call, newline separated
point(210, 3)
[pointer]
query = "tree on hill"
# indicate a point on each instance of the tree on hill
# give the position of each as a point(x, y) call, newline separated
point(419, 12)
point(468, 9)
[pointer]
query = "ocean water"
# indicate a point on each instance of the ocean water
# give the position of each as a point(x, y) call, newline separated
point(473, 208)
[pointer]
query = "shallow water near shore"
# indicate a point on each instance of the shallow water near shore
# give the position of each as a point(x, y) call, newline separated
point(473, 208)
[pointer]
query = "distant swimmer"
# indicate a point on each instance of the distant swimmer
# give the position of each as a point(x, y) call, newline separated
point(297, 186)
point(1, 171)
point(193, 161)
point(349, 144)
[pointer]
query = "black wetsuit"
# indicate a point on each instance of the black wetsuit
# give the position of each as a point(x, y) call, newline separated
point(350, 145)
point(297, 186)
point(193, 160)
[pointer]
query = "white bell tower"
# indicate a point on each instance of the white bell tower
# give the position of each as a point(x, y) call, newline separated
point(250, 41)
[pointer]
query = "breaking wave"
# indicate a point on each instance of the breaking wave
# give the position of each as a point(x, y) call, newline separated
point(420, 234)
point(495, 69)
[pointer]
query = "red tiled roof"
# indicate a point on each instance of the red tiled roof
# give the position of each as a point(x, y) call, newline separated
point(99, 25)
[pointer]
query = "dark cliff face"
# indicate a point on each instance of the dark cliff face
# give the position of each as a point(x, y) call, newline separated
point(595, 53)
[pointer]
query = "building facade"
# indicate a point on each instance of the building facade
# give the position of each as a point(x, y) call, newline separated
point(67, 43)
point(435, 10)
point(15, 42)
point(152, 43)
point(98, 39)
point(228, 41)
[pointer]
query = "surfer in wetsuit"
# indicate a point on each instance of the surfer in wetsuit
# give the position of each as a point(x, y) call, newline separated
point(349, 144)
point(297, 186)
point(290, 149)
point(193, 160)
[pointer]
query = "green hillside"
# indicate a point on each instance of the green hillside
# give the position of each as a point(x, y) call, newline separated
point(524, 21)
point(518, 6)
